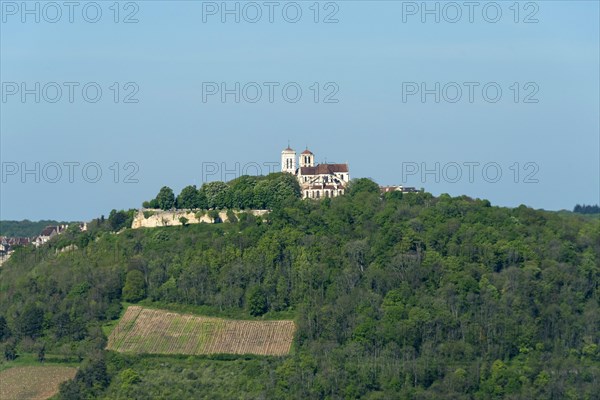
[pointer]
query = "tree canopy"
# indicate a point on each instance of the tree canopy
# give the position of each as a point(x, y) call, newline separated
point(410, 296)
point(189, 198)
point(587, 209)
point(245, 192)
point(165, 198)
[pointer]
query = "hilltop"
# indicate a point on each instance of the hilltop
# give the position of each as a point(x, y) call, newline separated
point(395, 295)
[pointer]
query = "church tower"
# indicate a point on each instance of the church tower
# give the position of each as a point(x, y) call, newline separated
point(307, 159)
point(288, 160)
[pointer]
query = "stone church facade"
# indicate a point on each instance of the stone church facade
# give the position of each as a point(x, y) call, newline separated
point(316, 181)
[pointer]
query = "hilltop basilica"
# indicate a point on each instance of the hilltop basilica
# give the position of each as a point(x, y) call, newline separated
point(316, 181)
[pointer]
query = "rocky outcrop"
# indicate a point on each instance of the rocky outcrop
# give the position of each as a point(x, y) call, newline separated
point(150, 218)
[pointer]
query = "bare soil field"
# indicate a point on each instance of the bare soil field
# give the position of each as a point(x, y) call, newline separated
point(144, 330)
point(34, 382)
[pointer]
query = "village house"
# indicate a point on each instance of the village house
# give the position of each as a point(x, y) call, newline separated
point(48, 233)
point(8, 244)
point(398, 188)
point(4, 246)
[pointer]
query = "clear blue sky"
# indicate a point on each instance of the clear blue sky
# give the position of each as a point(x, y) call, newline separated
point(369, 54)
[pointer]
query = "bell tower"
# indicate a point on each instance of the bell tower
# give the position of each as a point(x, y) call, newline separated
point(307, 159)
point(288, 160)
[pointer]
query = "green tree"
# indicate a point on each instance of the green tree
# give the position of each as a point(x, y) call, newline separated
point(41, 352)
point(215, 193)
point(257, 301)
point(241, 192)
point(29, 322)
point(285, 189)
point(135, 286)
point(10, 351)
point(362, 185)
point(89, 380)
point(117, 220)
point(202, 202)
point(188, 198)
point(276, 190)
point(165, 198)
point(263, 195)
point(129, 377)
point(5, 332)
point(150, 204)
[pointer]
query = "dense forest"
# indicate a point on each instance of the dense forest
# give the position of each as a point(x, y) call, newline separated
point(245, 192)
point(25, 228)
point(586, 209)
point(396, 296)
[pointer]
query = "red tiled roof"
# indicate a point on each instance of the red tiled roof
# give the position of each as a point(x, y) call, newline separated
point(17, 241)
point(323, 169)
point(307, 151)
point(48, 231)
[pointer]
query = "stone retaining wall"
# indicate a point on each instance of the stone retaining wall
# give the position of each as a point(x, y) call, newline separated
point(171, 218)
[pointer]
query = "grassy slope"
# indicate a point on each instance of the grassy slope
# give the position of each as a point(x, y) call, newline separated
point(30, 359)
point(208, 311)
point(196, 377)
